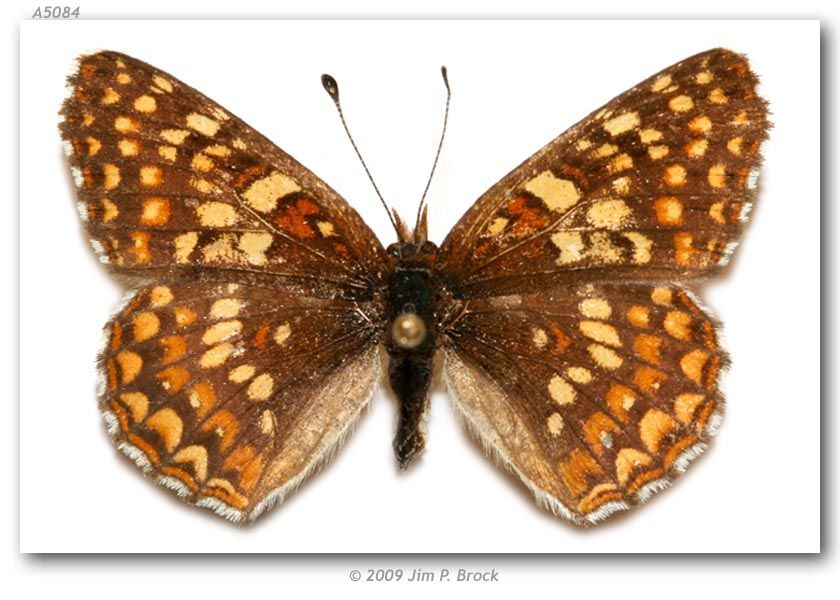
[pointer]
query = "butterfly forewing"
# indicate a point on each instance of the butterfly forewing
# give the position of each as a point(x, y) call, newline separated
point(169, 180)
point(655, 185)
point(573, 354)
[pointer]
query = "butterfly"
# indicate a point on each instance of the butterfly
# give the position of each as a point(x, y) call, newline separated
point(263, 312)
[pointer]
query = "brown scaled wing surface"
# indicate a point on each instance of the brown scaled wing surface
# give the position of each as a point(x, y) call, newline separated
point(578, 359)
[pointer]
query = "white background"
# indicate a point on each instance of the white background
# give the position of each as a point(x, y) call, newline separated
point(515, 86)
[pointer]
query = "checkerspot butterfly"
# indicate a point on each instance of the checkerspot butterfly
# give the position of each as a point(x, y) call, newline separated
point(262, 306)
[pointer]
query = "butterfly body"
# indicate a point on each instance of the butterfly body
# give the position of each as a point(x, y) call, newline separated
point(412, 310)
point(560, 305)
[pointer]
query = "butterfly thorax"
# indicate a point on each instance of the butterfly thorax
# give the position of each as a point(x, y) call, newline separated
point(412, 297)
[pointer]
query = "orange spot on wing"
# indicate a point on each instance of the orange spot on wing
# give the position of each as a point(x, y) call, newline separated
point(561, 340)
point(261, 336)
point(182, 476)
point(293, 220)
point(145, 447)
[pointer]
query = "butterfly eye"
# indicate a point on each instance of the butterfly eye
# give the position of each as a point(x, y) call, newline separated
point(394, 251)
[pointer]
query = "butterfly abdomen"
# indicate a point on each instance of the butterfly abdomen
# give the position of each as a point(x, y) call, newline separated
point(411, 301)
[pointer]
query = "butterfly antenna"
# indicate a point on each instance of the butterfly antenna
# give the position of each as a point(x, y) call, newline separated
point(422, 208)
point(331, 86)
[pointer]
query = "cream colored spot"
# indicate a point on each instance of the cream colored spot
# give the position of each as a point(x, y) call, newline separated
point(678, 324)
point(583, 144)
point(579, 374)
point(556, 194)
point(622, 162)
point(657, 152)
point(137, 403)
point(184, 245)
point(602, 248)
point(254, 245)
point(225, 308)
point(685, 405)
point(242, 373)
point(561, 391)
point(681, 103)
point(216, 356)
point(220, 250)
point(661, 83)
point(700, 124)
point(669, 211)
point(621, 185)
point(155, 211)
point(267, 422)
point(130, 365)
point(162, 83)
point(168, 425)
point(125, 125)
point(282, 333)
point(197, 456)
point(239, 144)
point(110, 96)
point(216, 214)
point(600, 332)
point(555, 424)
point(604, 150)
point(129, 147)
point(734, 145)
point(146, 326)
point(627, 461)
point(88, 119)
point(570, 245)
point(717, 176)
point(650, 135)
point(202, 163)
point(326, 228)
point(169, 153)
point(692, 364)
point(112, 176)
point(675, 175)
point(539, 337)
point(653, 427)
point(123, 78)
point(145, 104)
point(696, 148)
point(201, 124)
point(217, 150)
point(608, 213)
point(151, 176)
point(718, 96)
point(622, 123)
point(264, 193)
point(704, 77)
point(160, 296)
point(662, 296)
point(202, 185)
point(641, 246)
point(716, 212)
point(174, 136)
point(221, 331)
point(595, 308)
point(605, 357)
point(261, 387)
point(109, 211)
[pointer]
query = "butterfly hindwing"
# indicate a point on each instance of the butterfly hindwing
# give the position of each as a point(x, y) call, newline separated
point(169, 180)
point(594, 397)
point(232, 394)
point(656, 185)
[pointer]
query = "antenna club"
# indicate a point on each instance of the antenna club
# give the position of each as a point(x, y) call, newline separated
point(443, 72)
point(330, 85)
